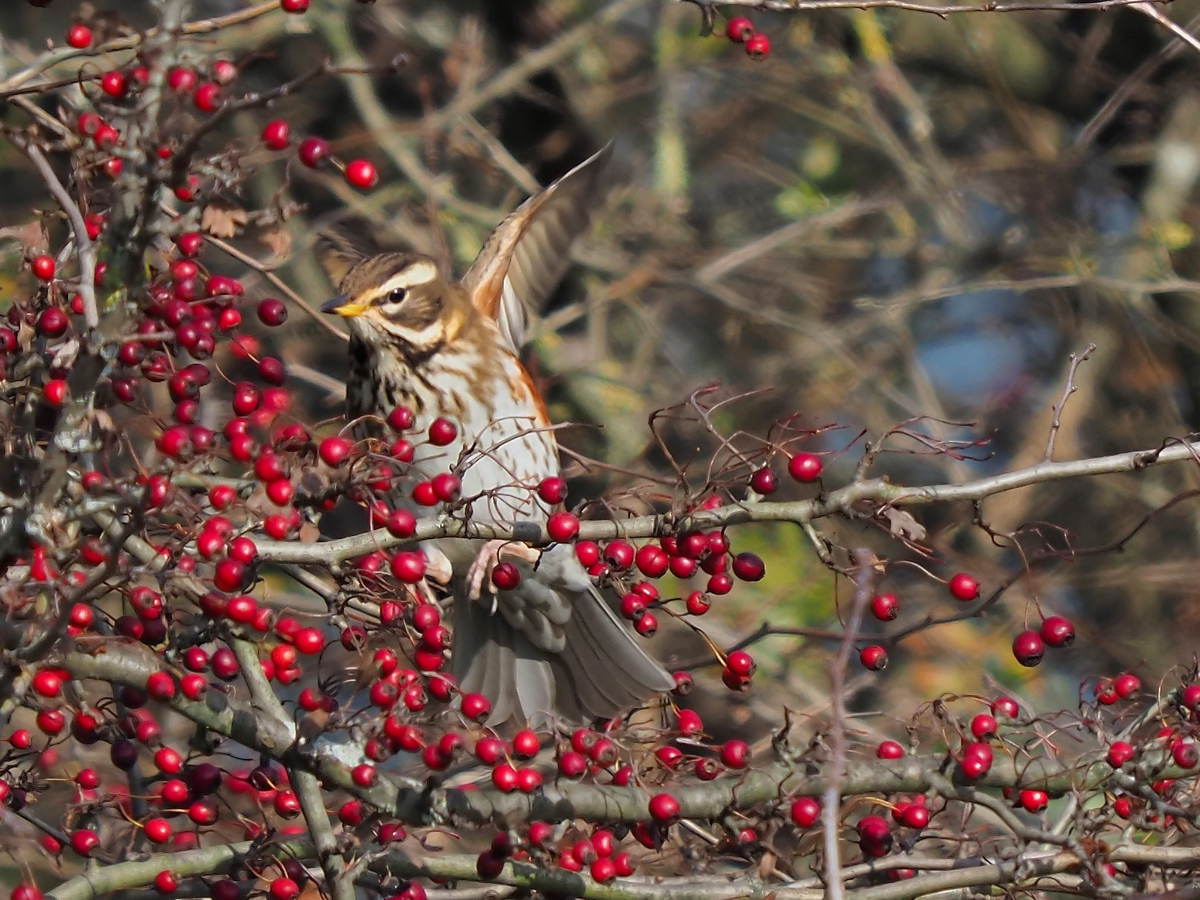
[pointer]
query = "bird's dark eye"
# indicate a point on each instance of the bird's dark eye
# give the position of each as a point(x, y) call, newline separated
point(397, 295)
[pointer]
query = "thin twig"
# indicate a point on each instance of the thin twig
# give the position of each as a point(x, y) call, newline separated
point(84, 247)
point(831, 812)
point(1068, 389)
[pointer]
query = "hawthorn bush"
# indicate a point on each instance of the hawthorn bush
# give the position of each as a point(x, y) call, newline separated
point(224, 672)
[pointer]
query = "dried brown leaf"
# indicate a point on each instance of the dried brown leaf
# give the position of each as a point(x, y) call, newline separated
point(222, 220)
point(901, 524)
point(280, 242)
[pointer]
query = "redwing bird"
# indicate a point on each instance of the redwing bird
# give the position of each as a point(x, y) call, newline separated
point(553, 644)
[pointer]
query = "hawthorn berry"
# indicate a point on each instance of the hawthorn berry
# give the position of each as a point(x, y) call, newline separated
point(114, 83)
point(984, 727)
point(276, 134)
point(885, 607)
point(312, 150)
point(739, 29)
point(805, 467)
point(1057, 631)
point(1127, 685)
point(362, 174)
point(442, 432)
point(963, 587)
point(562, 527)
point(664, 808)
point(1028, 648)
point(272, 312)
point(1034, 801)
point(758, 46)
point(805, 812)
point(43, 267)
point(873, 657)
point(207, 99)
point(749, 567)
point(79, 37)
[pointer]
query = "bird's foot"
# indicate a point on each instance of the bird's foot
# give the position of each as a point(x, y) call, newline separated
point(489, 557)
point(437, 565)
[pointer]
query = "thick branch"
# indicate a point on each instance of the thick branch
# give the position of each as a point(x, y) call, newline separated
point(842, 500)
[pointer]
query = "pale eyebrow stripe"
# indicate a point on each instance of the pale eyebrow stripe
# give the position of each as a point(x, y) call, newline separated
point(417, 274)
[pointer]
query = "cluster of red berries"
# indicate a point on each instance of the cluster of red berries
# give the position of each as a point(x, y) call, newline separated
point(741, 30)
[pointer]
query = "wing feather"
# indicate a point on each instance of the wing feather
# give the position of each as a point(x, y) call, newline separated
point(527, 255)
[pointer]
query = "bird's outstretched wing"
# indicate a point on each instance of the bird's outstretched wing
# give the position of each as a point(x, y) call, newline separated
point(527, 255)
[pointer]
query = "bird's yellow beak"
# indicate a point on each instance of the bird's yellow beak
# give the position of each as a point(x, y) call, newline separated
point(344, 306)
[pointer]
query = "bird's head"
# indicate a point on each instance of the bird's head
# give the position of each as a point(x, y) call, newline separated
point(400, 299)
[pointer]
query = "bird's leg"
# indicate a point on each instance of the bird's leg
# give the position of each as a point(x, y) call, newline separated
point(489, 556)
point(437, 565)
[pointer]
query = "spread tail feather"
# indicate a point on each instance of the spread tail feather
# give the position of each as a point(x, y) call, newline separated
point(601, 672)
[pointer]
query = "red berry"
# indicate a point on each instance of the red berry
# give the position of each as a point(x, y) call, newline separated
point(335, 450)
point(309, 641)
point(43, 267)
point(1034, 801)
point(735, 754)
point(1186, 755)
point(1191, 697)
point(1057, 631)
point(1127, 685)
point(362, 174)
point(181, 79)
point(158, 831)
point(276, 134)
point(805, 812)
point(652, 560)
point(160, 686)
point(805, 467)
point(442, 431)
point(526, 744)
point(740, 663)
point(984, 727)
point(207, 98)
point(113, 83)
point(874, 835)
point(889, 750)
point(885, 607)
point(166, 883)
point(504, 777)
point(664, 808)
point(408, 566)
point(749, 567)
point(312, 151)
point(763, 481)
point(506, 576)
point(79, 36)
point(1119, 753)
point(55, 391)
point(294, 6)
point(1029, 648)
point(1006, 708)
point(963, 587)
point(272, 312)
point(739, 29)
point(873, 657)
point(476, 707)
point(563, 527)
point(758, 46)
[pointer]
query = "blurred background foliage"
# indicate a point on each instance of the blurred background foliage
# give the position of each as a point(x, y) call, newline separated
point(894, 216)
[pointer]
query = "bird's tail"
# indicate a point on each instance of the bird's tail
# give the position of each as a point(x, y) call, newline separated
point(601, 672)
